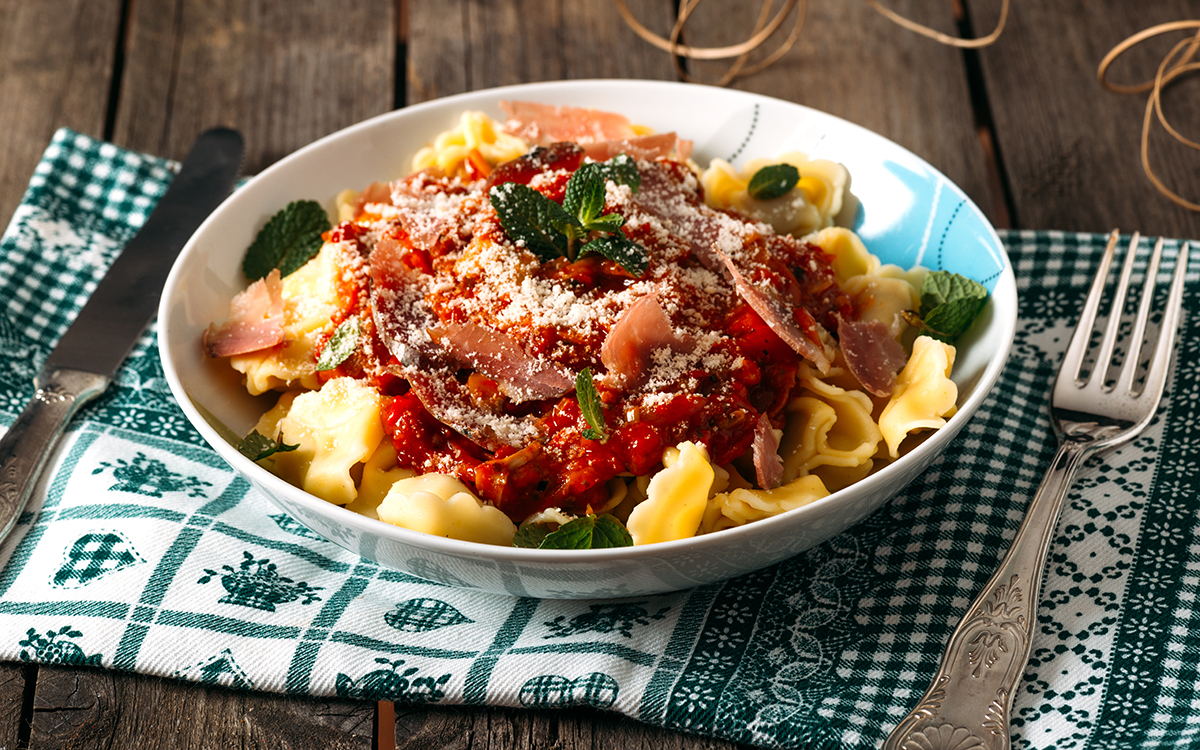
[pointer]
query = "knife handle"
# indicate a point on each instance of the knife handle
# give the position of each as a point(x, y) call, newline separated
point(27, 445)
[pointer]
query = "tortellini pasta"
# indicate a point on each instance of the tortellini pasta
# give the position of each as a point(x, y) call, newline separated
point(379, 473)
point(443, 506)
point(675, 497)
point(810, 206)
point(475, 132)
point(924, 395)
point(335, 429)
point(850, 256)
point(880, 292)
point(690, 496)
point(829, 426)
point(835, 434)
point(740, 506)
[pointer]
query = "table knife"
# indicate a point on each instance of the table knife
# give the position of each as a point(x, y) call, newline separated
point(87, 356)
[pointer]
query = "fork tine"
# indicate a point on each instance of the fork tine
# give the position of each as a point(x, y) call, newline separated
point(1137, 344)
point(1156, 377)
point(1073, 358)
point(1113, 328)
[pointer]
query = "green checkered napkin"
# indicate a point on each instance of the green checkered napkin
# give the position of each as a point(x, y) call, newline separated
point(145, 552)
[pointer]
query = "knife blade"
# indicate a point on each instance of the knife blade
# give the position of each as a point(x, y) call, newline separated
point(86, 358)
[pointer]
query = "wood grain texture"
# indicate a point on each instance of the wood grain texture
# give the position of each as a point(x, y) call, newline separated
point(1070, 148)
point(84, 708)
point(12, 694)
point(854, 63)
point(567, 729)
point(465, 45)
point(56, 60)
point(283, 72)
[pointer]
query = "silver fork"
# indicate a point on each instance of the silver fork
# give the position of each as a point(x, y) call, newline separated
point(969, 702)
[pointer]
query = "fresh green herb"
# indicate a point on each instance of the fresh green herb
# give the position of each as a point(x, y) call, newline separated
point(590, 405)
point(621, 250)
point(578, 226)
point(949, 304)
point(341, 345)
point(257, 446)
point(774, 181)
point(587, 188)
point(622, 169)
point(531, 535)
point(532, 219)
point(585, 194)
point(288, 240)
point(588, 532)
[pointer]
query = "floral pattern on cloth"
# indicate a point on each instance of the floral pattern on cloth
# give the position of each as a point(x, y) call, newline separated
point(143, 551)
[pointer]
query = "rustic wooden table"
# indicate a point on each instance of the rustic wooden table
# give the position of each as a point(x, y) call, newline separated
point(1022, 126)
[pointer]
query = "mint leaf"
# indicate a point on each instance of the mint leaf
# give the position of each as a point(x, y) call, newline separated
point(257, 446)
point(550, 231)
point(532, 219)
point(341, 345)
point(587, 189)
point(531, 535)
point(585, 194)
point(287, 241)
point(585, 198)
point(949, 304)
point(622, 169)
point(590, 405)
point(941, 287)
point(607, 223)
point(948, 321)
point(589, 532)
point(774, 181)
point(618, 248)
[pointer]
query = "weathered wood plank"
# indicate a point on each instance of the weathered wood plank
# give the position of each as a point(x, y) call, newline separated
point(12, 695)
point(56, 61)
point(568, 729)
point(283, 72)
point(1070, 148)
point(84, 708)
point(854, 63)
point(466, 45)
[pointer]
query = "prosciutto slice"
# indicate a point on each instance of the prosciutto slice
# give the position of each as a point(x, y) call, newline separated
point(772, 311)
point(255, 320)
point(602, 134)
point(685, 218)
point(768, 466)
point(543, 124)
point(492, 353)
point(376, 192)
point(641, 330)
point(431, 211)
point(398, 306)
point(873, 357)
point(648, 147)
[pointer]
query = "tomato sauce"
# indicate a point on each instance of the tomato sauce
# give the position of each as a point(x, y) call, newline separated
point(739, 369)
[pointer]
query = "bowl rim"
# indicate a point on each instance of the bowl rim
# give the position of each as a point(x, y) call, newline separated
point(877, 482)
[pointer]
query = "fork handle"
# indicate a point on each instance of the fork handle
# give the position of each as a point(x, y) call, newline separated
point(972, 692)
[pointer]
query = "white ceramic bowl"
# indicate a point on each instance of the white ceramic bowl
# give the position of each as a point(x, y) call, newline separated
point(909, 214)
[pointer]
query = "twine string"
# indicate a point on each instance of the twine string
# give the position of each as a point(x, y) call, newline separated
point(769, 22)
point(1178, 62)
point(946, 39)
